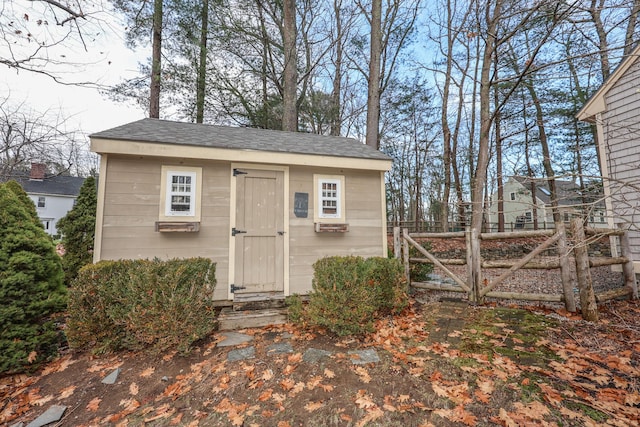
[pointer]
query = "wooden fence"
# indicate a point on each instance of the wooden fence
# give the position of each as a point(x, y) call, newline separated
point(572, 249)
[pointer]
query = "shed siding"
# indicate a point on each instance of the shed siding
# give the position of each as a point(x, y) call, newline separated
point(363, 214)
point(132, 199)
point(621, 125)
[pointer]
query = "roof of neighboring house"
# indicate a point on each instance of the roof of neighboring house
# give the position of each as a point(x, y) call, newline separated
point(568, 192)
point(240, 138)
point(596, 104)
point(57, 185)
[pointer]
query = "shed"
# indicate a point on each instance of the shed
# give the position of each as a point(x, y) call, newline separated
point(263, 204)
point(615, 111)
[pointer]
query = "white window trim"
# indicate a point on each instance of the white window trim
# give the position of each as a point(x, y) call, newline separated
point(340, 216)
point(44, 202)
point(165, 193)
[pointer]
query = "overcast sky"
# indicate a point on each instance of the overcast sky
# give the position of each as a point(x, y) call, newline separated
point(106, 61)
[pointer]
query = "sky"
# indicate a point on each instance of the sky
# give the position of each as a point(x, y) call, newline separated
point(106, 61)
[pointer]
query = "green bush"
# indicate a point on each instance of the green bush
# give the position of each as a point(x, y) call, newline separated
point(32, 291)
point(78, 228)
point(142, 305)
point(349, 293)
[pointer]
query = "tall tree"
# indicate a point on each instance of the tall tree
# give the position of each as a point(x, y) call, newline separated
point(156, 61)
point(290, 75)
point(373, 91)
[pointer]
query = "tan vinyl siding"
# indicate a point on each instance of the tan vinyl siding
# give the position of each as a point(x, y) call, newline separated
point(363, 214)
point(621, 126)
point(131, 208)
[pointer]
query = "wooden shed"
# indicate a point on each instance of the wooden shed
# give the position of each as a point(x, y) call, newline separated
point(264, 205)
point(615, 111)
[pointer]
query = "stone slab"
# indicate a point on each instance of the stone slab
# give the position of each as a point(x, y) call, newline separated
point(362, 357)
point(280, 348)
point(315, 355)
point(51, 415)
point(241, 354)
point(233, 339)
point(112, 377)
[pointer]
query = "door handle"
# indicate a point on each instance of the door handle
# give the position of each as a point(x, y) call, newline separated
point(281, 233)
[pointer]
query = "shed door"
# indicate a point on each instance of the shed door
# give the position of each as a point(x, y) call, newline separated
point(259, 254)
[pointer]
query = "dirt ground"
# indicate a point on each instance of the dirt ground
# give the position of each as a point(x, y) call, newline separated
point(441, 364)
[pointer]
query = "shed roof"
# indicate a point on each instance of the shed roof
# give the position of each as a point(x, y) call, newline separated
point(240, 138)
point(569, 193)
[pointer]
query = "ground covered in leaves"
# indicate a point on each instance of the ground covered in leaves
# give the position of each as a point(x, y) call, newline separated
point(441, 364)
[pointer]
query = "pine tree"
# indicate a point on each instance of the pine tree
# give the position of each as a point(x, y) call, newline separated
point(24, 198)
point(78, 230)
point(31, 287)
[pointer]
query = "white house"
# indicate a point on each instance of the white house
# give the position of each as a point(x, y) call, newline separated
point(615, 110)
point(520, 208)
point(53, 195)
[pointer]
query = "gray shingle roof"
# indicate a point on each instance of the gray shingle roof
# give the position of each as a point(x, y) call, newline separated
point(568, 192)
point(53, 185)
point(237, 138)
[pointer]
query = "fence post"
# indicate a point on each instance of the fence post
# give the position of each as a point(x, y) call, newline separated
point(565, 270)
point(627, 267)
point(405, 256)
point(473, 263)
point(588, 304)
point(397, 249)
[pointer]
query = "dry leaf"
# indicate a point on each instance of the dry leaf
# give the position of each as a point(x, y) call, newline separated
point(147, 372)
point(329, 373)
point(295, 358)
point(372, 415)
point(312, 406)
point(133, 389)
point(32, 356)
point(284, 424)
point(363, 374)
point(267, 375)
point(93, 405)
point(66, 392)
point(265, 395)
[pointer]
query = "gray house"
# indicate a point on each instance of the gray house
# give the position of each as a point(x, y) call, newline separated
point(264, 205)
point(615, 110)
point(53, 195)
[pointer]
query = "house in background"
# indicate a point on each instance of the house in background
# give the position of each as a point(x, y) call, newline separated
point(615, 110)
point(520, 209)
point(263, 205)
point(53, 195)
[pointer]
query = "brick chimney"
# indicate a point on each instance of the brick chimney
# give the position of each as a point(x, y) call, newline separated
point(37, 171)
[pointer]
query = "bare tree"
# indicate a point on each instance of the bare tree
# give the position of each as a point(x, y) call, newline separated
point(28, 136)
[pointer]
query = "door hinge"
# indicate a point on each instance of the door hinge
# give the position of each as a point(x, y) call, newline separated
point(237, 172)
point(234, 231)
point(235, 288)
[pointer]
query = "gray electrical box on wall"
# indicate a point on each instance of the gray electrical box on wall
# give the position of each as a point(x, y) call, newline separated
point(301, 205)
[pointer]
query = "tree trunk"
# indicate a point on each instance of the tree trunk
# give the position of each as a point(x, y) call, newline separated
point(588, 305)
point(202, 65)
point(499, 176)
point(154, 92)
point(373, 94)
point(336, 93)
point(290, 78)
point(631, 28)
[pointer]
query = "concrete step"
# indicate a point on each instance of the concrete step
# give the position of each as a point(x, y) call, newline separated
point(230, 319)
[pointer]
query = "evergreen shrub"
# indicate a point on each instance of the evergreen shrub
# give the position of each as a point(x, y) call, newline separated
point(78, 230)
point(150, 305)
point(350, 293)
point(32, 291)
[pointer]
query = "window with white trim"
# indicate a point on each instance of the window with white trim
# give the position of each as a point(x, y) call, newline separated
point(42, 201)
point(180, 193)
point(512, 196)
point(329, 198)
point(528, 216)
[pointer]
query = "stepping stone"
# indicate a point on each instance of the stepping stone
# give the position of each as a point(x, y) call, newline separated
point(51, 415)
point(280, 348)
point(241, 354)
point(362, 357)
point(314, 355)
point(233, 339)
point(112, 377)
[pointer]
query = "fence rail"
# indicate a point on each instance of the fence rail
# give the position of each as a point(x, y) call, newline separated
point(477, 288)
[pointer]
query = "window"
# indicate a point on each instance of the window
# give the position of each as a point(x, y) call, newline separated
point(41, 201)
point(601, 216)
point(566, 217)
point(528, 216)
point(180, 193)
point(329, 198)
point(512, 196)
